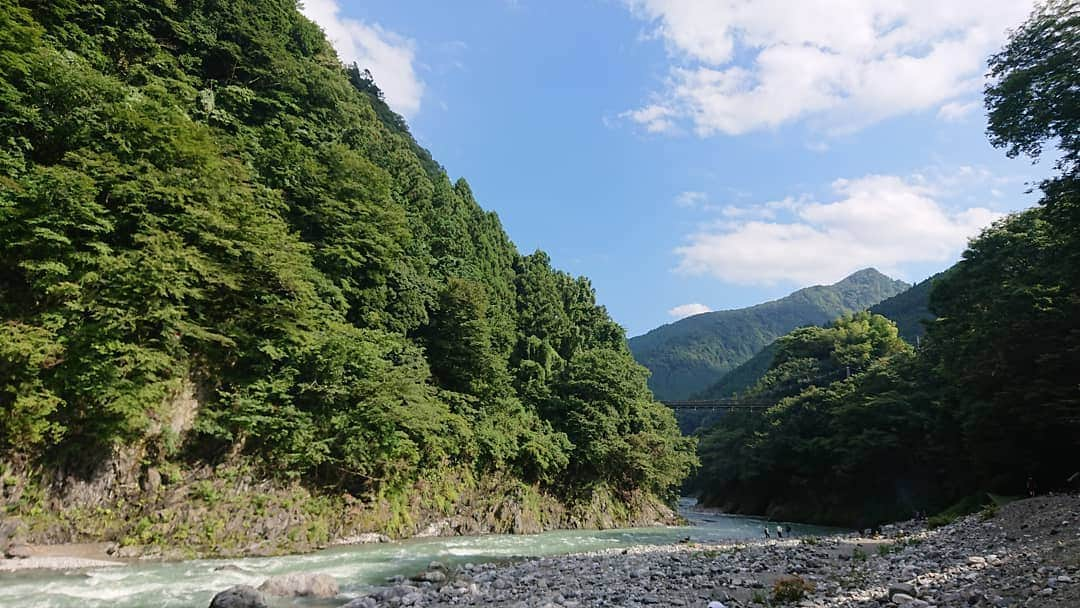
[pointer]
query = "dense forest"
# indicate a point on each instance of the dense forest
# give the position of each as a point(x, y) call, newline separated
point(909, 309)
point(199, 202)
point(688, 356)
point(990, 399)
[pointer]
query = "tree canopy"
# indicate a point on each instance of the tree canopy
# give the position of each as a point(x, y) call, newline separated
point(201, 193)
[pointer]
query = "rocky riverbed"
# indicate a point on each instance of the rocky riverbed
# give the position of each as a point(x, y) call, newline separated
point(1025, 554)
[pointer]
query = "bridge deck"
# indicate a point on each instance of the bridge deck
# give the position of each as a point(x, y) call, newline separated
point(717, 404)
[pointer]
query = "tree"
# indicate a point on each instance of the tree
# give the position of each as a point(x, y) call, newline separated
point(1033, 96)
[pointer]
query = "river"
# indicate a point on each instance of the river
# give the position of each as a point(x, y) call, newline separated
point(191, 584)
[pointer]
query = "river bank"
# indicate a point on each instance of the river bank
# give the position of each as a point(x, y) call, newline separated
point(235, 511)
point(1026, 554)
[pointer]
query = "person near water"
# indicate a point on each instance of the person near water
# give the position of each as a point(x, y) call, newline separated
point(1031, 485)
point(779, 531)
point(767, 532)
point(787, 530)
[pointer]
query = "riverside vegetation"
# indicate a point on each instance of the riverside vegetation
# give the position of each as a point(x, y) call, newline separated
point(241, 310)
point(868, 429)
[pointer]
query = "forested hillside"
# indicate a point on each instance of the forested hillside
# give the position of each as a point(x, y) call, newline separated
point(218, 244)
point(688, 356)
point(910, 310)
point(990, 400)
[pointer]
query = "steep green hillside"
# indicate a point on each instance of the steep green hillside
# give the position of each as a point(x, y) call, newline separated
point(218, 244)
point(910, 309)
point(689, 355)
point(742, 377)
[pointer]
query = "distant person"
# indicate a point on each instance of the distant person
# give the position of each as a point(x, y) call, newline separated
point(1031, 485)
point(779, 531)
point(767, 532)
point(787, 530)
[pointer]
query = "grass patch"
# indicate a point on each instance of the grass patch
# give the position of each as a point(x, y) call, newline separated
point(966, 506)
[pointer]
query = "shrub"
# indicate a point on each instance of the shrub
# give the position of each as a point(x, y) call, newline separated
point(791, 589)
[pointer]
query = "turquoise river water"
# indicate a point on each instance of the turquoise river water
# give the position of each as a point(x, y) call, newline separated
point(191, 584)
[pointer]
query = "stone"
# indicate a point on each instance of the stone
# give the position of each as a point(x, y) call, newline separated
point(901, 599)
point(240, 596)
point(905, 588)
point(362, 602)
point(18, 551)
point(431, 576)
point(300, 585)
point(151, 481)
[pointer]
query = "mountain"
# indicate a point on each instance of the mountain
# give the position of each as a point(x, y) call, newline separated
point(687, 356)
point(744, 376)
point(909, 309)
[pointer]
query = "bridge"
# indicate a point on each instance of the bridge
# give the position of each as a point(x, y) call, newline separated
point(719, 405)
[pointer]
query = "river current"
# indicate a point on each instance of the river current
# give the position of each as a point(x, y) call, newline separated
point(191, 584)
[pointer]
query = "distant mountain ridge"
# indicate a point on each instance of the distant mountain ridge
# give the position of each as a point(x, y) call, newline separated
point(691, 354)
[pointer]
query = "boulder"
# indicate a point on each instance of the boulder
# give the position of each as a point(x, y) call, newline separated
point(300, 585)
point(9, 529)
point(362, 602)
point(18, 550)
point(905, 588)
point(431, 576)
point(901, 599)
point(240, 596)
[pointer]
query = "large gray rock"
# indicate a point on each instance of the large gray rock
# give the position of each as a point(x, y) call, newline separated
point(240, 596)
point(905, 588)
point(300, 585)
point(19, 550)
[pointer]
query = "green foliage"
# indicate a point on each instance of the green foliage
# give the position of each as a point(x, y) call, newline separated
point(965, 506)
point(690, 355)
point(201, 192)
point(830, 444)
point(1031, 97)
point(910, 310)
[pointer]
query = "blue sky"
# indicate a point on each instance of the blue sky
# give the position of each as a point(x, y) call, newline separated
point(705, 154)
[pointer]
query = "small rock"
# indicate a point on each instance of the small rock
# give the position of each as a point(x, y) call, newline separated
point(901, 599)
point(240, 596)
point(431, 576)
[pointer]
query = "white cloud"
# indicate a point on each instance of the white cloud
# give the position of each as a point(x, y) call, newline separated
point(741, 66)
point(690, 199)
point(387, 55)
point(876, 220)
point(956, 111)
point(687, 310)
point(655, 118)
